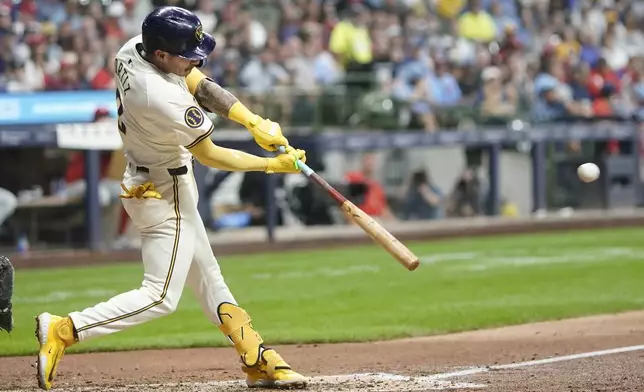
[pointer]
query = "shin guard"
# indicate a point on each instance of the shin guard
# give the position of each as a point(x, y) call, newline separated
point(236, 325)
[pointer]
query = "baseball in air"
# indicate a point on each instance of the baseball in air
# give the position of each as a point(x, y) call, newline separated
point(588, 172)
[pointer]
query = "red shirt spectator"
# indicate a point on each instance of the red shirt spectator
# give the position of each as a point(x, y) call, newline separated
point(601, 76)
point(67, 78)
point(375, 199)
point(602, 107)
point(102, 80)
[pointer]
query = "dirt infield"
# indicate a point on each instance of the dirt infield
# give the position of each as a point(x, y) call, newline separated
point(499, 360)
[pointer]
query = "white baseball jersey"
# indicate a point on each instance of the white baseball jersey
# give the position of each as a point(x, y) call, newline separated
point(158, 117)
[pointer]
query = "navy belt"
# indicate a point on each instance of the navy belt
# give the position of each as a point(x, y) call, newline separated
point(179, 171)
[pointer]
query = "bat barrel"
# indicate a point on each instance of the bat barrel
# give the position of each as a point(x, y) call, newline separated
point(378, 233)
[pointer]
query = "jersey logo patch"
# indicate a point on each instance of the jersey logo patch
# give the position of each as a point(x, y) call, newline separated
point(194, 117)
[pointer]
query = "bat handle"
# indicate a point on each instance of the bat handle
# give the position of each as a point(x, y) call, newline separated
point(303, 166)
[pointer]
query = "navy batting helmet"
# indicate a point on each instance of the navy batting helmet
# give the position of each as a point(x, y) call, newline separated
point(177, 31)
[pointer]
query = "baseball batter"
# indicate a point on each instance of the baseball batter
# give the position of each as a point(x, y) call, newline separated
point(160, 95)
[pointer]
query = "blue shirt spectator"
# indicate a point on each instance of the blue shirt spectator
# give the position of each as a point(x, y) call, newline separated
point(443, 87)
point(410, 70)
point(547, 106)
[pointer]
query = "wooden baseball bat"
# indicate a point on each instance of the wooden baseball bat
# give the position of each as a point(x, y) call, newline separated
point(378, 233)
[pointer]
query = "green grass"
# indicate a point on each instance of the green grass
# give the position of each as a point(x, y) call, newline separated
point(358, 294)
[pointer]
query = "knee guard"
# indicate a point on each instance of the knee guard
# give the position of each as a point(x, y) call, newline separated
point(235, 324)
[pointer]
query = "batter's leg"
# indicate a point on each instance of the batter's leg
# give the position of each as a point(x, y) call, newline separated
point(166, 259)
point(205, 277)
point(168, 243)
point(263, 366)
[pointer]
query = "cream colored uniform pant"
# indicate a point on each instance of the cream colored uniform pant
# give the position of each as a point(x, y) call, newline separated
point(175, 250)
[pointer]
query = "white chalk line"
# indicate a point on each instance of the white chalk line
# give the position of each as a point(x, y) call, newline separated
point(545, 361)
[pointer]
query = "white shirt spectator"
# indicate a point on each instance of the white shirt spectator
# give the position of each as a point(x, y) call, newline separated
point(260, 75)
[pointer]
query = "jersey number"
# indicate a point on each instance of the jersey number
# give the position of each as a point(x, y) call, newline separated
point(119, 108)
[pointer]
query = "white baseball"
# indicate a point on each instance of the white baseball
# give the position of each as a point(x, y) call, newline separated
point(588, 172)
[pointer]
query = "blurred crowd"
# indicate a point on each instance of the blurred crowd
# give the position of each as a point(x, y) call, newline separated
point(420, 63)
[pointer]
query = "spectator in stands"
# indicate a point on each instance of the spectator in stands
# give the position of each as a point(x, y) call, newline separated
point(510, 43)
point(579, 84)
point(68, 77)
point(465, 198)
point(242, 30)
point(15, 77)
point(569, 47)
point(613, 51)
point(327, 71)
point(442, 88)
point(351, 43)
point(435, 92)
point(38, 65)
point(476, 24)
point(225, 71)
point(423, 198)
point(131, 20)
point(631, 35)
point(553, 74)
point(263, 73)
point(450, 9)
point(374, 199)
point(497, 100)
point(264, 76)
point(590, 52)
point(299, 64)
point(550, 106)
point(601, 77)
point(408, 86)
point(69, 45)
point(504, 21)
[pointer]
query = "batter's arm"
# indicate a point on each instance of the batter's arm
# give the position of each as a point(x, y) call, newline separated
point(217, 99)
point(209, 94)
point(209, 154)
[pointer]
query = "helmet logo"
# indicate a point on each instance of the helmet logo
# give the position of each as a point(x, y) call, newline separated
point(199, 34)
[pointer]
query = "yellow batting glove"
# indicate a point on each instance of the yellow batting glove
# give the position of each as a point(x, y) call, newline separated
point(287, 162)
point(267, 133)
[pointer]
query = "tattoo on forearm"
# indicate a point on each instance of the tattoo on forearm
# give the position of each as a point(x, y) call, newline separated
point(215, 98)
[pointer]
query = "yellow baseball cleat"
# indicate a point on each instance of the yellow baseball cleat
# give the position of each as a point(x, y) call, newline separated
point(54, 335)
point(271, 371)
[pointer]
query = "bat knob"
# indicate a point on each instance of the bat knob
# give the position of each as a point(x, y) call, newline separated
point(414, 265)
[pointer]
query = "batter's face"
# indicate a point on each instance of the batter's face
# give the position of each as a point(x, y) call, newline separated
point(174, 64)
